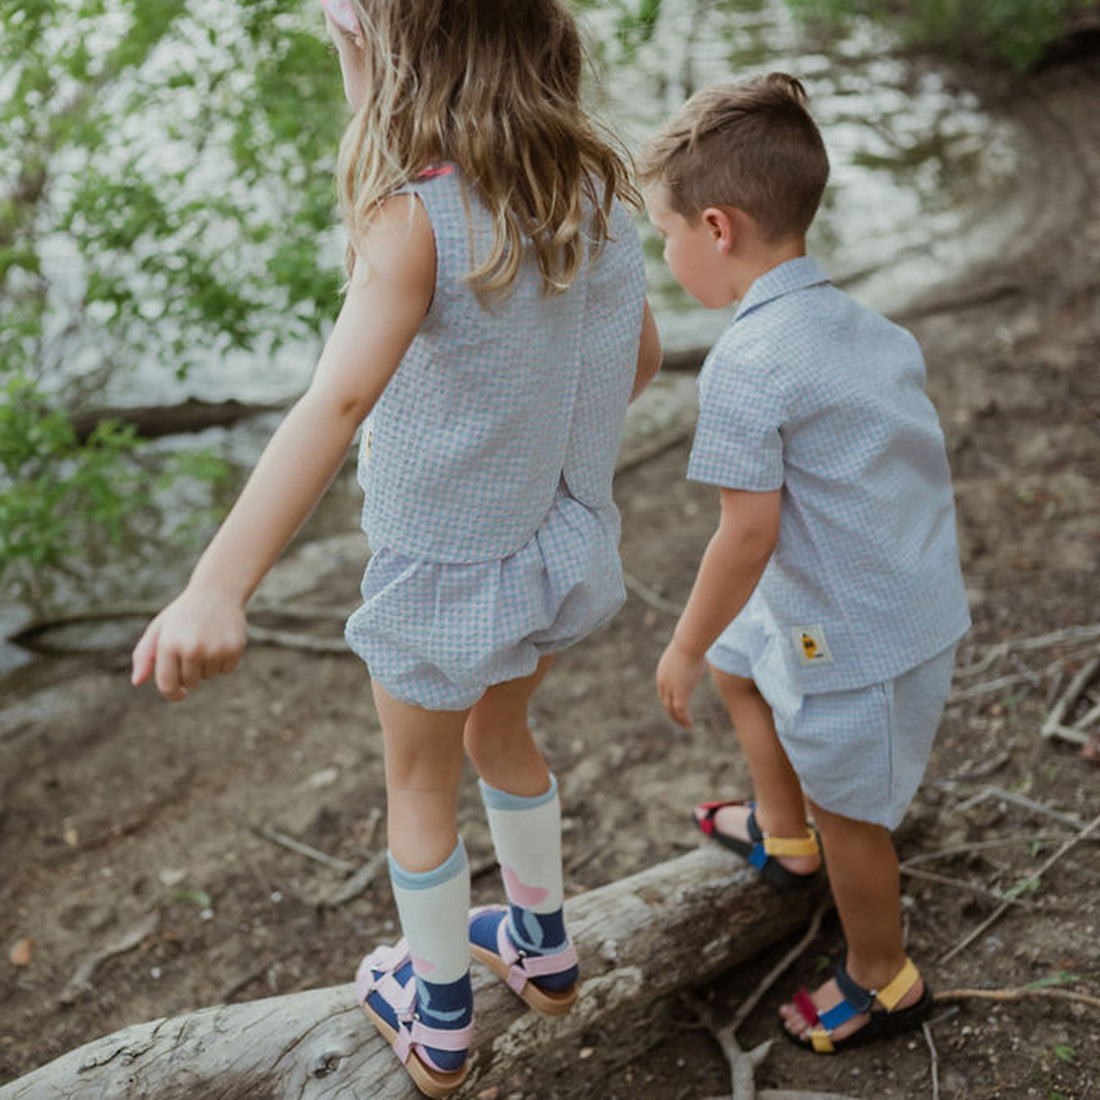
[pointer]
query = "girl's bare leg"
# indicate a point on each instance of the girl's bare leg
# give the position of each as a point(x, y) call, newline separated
point(780, 806)
point(498, 737)
point(863, 872)
point(423, 751)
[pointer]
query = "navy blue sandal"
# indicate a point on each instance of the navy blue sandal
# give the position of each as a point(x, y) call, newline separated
point(884, 1020)
point(763, 850)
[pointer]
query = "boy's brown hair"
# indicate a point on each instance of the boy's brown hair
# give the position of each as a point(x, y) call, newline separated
point(751, 145)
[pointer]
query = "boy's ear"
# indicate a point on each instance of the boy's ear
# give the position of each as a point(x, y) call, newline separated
point(723, 226)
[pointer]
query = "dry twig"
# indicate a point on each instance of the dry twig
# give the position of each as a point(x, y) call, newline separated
point(293, 845)
point(773, 975)
point(1053, 725)
point(1024, 994)
point(1020, 800)
point(648, 596)
point(935, 1060)
point(996, 914)
point(127, 941)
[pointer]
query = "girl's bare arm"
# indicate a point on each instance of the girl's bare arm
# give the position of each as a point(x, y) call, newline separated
point(201, 633)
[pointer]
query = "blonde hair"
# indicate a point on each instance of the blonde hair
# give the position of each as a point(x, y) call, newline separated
point(492, 86)
point(752, 145)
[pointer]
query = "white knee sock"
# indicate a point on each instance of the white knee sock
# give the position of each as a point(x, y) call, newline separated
point(433, 907)
point(527, 837)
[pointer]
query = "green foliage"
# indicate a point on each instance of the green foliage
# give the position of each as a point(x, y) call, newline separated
point(165, 197)
point(1016, 31)
point(56, 490)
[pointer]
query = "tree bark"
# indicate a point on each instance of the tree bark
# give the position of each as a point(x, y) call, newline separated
point(153, 421)
point(674, 925)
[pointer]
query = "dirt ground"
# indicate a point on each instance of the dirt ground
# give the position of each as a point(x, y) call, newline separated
point(114, 806)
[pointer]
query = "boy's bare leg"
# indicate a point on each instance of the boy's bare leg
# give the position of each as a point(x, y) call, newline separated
point(863, 872)
point(780, 807)
point(423, 750)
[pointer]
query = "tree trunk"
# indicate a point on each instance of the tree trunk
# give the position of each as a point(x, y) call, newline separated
point(675, 925)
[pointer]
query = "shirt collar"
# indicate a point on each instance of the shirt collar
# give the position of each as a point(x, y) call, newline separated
point(791, 275)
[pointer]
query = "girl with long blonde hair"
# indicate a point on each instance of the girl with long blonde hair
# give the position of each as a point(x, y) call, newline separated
point(494, 328)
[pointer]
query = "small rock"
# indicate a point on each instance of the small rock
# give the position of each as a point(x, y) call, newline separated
point(21, 953)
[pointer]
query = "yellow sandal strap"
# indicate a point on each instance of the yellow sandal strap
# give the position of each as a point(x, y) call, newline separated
point(819, 1037)
point(791, 846)
point(899, 985)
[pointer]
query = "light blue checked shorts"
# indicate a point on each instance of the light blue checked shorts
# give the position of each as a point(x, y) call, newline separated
point(859, 753)
point(436, 634)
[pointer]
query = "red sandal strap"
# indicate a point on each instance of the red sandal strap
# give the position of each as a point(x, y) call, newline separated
point(806, 1008)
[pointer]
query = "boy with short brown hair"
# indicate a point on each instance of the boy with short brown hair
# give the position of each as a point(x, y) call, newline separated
point(829, 602)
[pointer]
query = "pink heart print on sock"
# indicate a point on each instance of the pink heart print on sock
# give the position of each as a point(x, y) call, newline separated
point(519, 892)
point(422, 967)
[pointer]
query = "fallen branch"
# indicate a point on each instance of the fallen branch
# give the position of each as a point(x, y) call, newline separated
point(154, 421)
point(1021, 800)
point(359, 881)
point(997, 913)
point(1052, 725)
point(935, 1058)
point(30, 634)
point(673, 926)
point(749, 1004)
point(969, 887)
point(648, 596)
point(1024, 994)
point(297, 846)
point(81, 981)
point(1082, 633)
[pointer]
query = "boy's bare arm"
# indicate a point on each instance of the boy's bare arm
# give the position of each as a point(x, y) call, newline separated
point(732, 564)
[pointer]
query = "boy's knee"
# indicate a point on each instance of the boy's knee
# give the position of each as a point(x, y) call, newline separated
point(733, 687)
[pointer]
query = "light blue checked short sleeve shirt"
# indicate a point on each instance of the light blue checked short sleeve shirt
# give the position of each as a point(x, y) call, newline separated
point(810, 392)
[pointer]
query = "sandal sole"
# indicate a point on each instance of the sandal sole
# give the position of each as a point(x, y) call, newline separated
point(430, 1082)
point(543, 1001)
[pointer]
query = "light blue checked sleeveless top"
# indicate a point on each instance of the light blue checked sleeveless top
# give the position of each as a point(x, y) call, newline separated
point(491, 409)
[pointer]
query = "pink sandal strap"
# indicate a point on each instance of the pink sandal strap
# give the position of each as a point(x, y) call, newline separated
point(411, 1032)
point(522, 967)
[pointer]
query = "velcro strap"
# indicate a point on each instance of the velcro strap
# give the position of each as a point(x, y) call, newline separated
point(455, 1038)
point(839, 1014)
point(821, 1041)
point(806, 1007)
point(791, 846)
point(899, 985)
point(539, 966)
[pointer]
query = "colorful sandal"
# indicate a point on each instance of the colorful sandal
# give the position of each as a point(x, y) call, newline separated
point(394, 1013)
point(523, 971)
point(883, 1021)
point(763, 850)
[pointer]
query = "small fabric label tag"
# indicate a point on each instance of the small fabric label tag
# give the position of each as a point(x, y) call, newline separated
point(810, 644)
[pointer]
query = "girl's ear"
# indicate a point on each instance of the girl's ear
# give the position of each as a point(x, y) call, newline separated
point(721, 223)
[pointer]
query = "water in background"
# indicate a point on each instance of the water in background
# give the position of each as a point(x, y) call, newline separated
point(921, 186)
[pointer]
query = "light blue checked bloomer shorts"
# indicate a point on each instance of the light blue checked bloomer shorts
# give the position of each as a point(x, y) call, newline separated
point(436, 634)
point(859, 753)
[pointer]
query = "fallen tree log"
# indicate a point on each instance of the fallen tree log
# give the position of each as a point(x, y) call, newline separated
point(154, 421)
point(675, 925)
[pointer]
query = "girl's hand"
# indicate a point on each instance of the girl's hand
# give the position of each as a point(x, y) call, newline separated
point(678, 675)
point(199, 635)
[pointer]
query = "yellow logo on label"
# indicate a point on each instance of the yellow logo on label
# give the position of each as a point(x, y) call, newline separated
point(810, 644)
